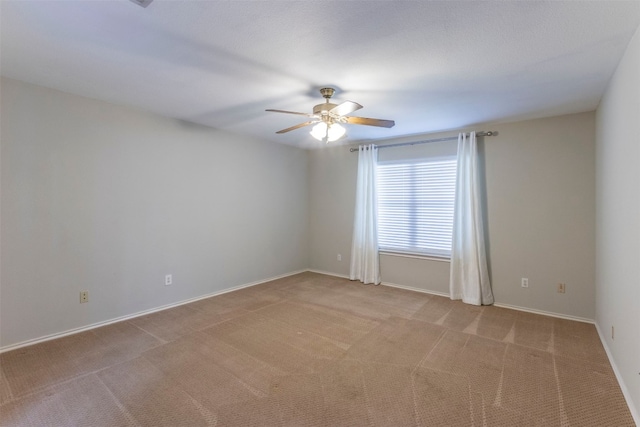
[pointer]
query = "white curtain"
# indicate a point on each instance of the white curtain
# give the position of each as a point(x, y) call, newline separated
point(365, 264)
point(469, 279)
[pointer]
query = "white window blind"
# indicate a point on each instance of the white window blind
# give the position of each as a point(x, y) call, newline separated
point(415, 206)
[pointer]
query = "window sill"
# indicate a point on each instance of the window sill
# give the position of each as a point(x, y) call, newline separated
point(417, 256)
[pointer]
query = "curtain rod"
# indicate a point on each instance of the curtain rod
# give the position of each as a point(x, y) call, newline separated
point(426, 141)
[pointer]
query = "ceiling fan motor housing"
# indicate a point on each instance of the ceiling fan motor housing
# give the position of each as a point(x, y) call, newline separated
point(323, 109)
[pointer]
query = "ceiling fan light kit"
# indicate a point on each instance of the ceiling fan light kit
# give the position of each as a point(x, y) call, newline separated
point(328, 117)
point(328, 133)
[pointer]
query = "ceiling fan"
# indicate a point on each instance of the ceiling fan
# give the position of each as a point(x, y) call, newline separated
point(328, 118)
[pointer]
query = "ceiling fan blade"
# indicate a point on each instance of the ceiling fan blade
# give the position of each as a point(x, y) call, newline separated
point(345, 108)
point(301, 125)
point(370, 122)
point(291, 112)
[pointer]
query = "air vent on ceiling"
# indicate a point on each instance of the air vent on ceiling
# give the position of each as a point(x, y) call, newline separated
point(143, 3)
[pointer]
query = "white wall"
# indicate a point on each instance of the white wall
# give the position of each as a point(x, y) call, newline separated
point(540, 188)
point(618, 219)
point(108, 199)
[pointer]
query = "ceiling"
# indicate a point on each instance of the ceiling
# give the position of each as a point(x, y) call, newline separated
point(428, 65)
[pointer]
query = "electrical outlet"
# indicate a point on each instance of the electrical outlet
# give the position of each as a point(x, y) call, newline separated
point(84, 296)
point(168, 279)
point(525, 282)
point(561, 288)
point(339, 257)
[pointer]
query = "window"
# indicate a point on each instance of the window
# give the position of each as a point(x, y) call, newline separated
point(415, 206)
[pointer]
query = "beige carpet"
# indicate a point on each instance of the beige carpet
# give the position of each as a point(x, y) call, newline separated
point(314, 350)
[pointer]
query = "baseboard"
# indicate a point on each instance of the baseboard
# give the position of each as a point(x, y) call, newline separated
point(625, 392)
point(509, 306)
point(138, 314)
point(246, 285)
point(328, 273)
point(393, 285)
point(444, 294)
point(410, 288)
point(545, 313)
